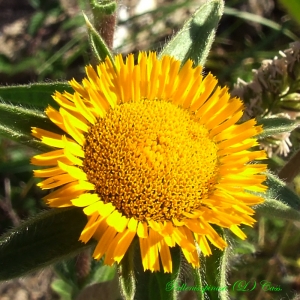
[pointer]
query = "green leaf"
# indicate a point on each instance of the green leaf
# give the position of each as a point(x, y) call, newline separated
point(97, 44)
point(273, 126)
point(194, 40)
point(23, 139)
point(14, 167)
point(27, 63)
point(16, 123)
point(36, 95)
point(62, 288)
point(280, 200)
point(67, 271)
point(102, 274)
point(275, 209)
point(291, 97)
point(293, 7)
point(17, 120)
point(244, 247)
point(47, 238)
point(278, 190)
point(35, 3)
point(290, 105)
point(260, 20)
point(70, 272)
point(36, 22)
point(47, 65)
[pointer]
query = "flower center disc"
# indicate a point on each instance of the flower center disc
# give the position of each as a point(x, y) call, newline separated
point(151, 160)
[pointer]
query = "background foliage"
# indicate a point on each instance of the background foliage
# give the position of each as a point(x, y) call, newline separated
point(46, 41)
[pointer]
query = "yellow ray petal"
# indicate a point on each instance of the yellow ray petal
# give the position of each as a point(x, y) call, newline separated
point(116, 220)
point(75, 121)
point(73, 131)
point(142, 230)
point(104, 242)
point(90, 228)
point(123, 244)
point(154, 239)
point(48, 172)
point(181, 239)
point(72, 190)
point(144, 247)
point(204, 246)
point(165, 256)
point(85, 200)
point(207, 86)
point(74, 172)
point(49, 158)
point(237, 231)
point(56, 181)
point(103, 209)
point(166, 154)
point(55, 117)
point(83, 109)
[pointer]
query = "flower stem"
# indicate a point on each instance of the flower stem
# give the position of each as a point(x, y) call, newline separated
point(127, 281)
point(104, 12)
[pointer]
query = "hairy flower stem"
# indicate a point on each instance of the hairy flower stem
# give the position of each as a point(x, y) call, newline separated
point(105, 25)
point(104, 13)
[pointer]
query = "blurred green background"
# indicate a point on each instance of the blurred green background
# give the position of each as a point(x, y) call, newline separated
point(45, 40)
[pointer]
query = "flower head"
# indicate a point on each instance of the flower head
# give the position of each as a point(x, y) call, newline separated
point(152, 151)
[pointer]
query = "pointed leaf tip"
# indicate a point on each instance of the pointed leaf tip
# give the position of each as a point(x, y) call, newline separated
point(195, 39)
point(98, 46)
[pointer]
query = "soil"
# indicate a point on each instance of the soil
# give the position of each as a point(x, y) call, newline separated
point(35, 286)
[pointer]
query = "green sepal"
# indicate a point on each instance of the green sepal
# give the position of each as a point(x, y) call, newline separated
point(97, 44)
point(214, 281)
point(195, 39)
point(16, 123)
point(49, 237)
point(103, 7)
point(37, 95)
point(273, 126)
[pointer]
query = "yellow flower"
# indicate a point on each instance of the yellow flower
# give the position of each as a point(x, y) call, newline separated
point(152, 150)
